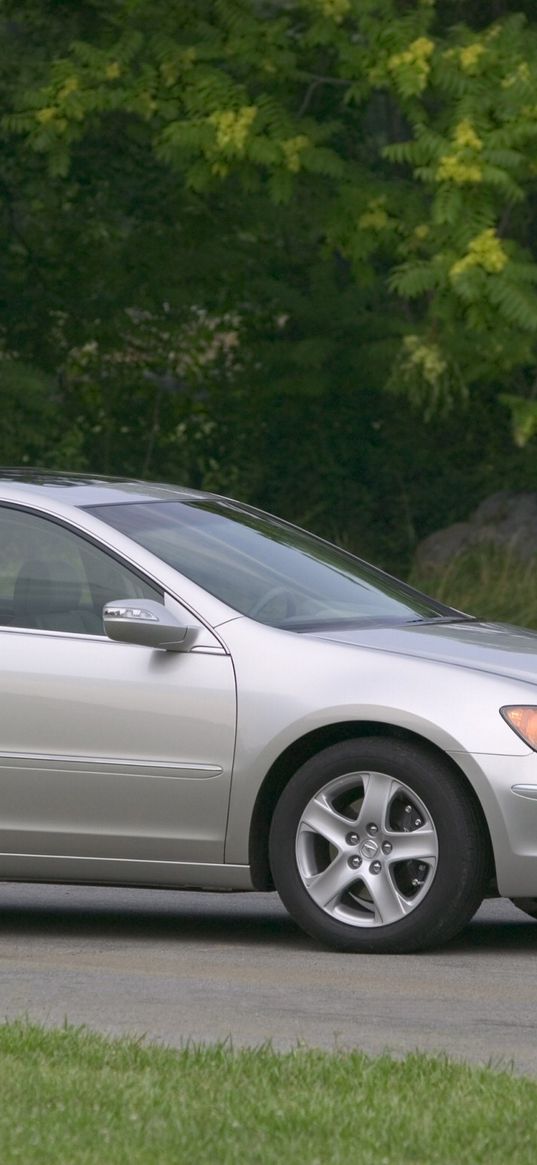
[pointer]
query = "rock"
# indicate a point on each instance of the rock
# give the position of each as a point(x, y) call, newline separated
point(505, 520)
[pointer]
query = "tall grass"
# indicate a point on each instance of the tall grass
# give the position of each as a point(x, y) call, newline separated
point(488, 581)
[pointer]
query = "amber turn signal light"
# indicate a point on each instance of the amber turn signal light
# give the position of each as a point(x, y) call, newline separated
point(523, 720)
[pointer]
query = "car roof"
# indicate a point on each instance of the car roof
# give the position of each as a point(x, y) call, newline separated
point(85, 489)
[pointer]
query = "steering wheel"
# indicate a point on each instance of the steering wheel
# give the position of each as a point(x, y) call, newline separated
point(264, 601)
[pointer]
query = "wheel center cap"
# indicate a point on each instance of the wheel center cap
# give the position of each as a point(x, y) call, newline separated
point(369, 848)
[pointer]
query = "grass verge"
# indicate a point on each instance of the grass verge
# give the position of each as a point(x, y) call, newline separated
point(489, 582)
point(71, 1097)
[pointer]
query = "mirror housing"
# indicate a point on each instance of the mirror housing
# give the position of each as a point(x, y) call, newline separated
point(148, 624)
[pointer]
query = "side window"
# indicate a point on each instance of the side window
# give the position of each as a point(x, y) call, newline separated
point(51, 579)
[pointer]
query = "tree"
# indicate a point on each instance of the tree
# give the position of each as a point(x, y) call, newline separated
point(345, 185)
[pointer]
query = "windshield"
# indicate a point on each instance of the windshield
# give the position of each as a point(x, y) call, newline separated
point(265, 568)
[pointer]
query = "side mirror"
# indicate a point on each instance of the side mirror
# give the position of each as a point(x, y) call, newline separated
point(147, 623)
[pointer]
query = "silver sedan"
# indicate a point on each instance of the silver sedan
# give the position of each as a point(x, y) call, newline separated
point(196, 694)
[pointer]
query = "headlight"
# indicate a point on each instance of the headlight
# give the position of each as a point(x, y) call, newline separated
point(523, 720)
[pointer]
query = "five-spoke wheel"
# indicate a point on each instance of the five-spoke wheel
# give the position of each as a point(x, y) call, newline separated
point(377, 846)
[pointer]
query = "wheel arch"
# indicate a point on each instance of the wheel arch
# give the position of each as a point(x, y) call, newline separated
point(307, 746)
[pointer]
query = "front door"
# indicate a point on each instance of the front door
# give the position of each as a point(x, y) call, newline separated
point(115, 760)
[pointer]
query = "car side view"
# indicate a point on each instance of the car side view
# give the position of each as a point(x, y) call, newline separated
point(197, 694)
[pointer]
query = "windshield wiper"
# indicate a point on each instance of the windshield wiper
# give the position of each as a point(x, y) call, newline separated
point(446, 619)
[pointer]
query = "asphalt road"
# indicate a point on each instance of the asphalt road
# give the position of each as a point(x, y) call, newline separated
point(203, 967)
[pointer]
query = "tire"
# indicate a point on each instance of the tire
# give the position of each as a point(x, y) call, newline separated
point(527, 905)
point(377, 847)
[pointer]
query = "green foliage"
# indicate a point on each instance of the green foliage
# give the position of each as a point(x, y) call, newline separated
point(489, 582)
point(347, 187)
point(30, 433)
point(523, 417)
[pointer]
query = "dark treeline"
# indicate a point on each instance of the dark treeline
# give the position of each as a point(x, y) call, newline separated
point(284, 250)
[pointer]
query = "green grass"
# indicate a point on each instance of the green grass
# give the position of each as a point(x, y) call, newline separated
point(488, 582)
point(70, 1097)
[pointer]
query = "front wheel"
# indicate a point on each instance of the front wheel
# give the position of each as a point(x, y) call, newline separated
point(377, 847)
